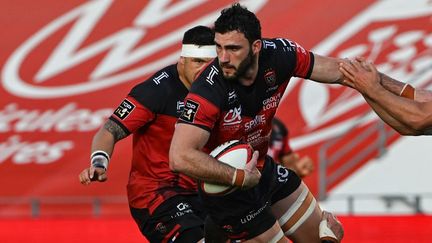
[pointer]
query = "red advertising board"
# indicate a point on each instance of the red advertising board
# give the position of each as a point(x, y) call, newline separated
point(66, 65)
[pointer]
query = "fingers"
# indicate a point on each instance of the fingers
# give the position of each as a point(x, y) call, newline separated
point(252, 174)
point(84, 177)
point(371, 67)
point(251, 165)
point(333, 224)
point(92, 174)
point(347, 71)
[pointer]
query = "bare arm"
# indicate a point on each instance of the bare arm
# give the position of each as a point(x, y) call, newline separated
point(107, 136)
point(186, 157)
point(103, 140)
point(396, 87)
point(326, 70)
point(390, 120)
point(414, 115)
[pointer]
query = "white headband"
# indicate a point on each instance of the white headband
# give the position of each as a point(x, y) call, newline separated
point(191, 50)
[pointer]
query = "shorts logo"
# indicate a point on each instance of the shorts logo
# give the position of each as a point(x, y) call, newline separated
point(282, 174)
point(182, 206)
point(161, 228)
point(124, 109)
point(189, 111)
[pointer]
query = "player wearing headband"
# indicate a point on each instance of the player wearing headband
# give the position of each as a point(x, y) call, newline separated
point(164, 204)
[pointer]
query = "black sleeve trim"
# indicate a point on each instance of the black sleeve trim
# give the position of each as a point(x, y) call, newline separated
point(312, 58)
point(121, 125)
point(197, 125)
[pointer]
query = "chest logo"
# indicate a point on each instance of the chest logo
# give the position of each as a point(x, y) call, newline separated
point(233, 116)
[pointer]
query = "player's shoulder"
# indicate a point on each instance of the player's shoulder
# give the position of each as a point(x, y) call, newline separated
point(211, 77)
point(275, 45)
point(157, 84)
point(210, 84)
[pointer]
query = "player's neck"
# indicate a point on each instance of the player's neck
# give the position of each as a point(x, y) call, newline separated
point(248, 78)
point(182, 77)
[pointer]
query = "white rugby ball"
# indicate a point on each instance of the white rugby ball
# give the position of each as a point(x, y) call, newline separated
point(234, 153)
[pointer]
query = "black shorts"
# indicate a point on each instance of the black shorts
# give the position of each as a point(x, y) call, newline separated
point(244, 214)
point(180, 218)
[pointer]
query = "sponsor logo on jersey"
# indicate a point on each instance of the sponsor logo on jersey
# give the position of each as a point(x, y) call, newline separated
point(233, 116)
point(190, 110)
point(259, 119)
point(272, 102)
point(124, 109)
point(232, 97)
point(253, 214)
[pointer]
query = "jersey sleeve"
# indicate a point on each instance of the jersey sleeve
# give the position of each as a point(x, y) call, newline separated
point(202, 104)
point(292, 55)
point(141, 105)
point(131, 115)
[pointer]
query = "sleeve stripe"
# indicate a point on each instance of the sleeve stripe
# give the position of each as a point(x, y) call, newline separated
point(197, 125)
point(311, 64)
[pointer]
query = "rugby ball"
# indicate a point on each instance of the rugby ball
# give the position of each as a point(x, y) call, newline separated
point(234, 153)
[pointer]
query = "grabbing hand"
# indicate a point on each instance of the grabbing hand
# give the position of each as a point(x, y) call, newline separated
point(252, 174)
point(362, 75)
point(330, 228)
point(92, 174)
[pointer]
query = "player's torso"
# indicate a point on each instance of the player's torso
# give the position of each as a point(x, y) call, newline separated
point(153, 107)
point(246, 112)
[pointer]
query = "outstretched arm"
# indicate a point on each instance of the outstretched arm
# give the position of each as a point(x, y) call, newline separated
point(326, 70)
point(103, 142)
point(408, 116)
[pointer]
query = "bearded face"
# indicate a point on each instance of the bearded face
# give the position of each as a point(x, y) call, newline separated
point(240, 69)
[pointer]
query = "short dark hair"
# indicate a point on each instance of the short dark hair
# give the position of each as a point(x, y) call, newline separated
point(239, 18)
point(199, 35)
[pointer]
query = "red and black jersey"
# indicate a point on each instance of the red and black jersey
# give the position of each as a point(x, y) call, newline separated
point(279, 140)
point(230, 111)
point(150, 112)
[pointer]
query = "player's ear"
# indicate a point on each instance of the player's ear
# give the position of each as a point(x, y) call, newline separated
point(256, 46)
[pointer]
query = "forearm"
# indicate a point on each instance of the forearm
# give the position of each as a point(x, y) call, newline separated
point(413, 114)
point(186, 156)
point(202, 166)
point(390, 120)
point(396, 87)
point(106, 137)
point(103, 140)
point(326, 70)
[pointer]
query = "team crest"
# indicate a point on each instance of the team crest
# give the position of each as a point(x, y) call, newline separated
point(270, 78)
